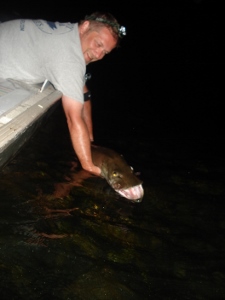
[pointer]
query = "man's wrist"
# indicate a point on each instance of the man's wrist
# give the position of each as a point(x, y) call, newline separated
point(87, 96)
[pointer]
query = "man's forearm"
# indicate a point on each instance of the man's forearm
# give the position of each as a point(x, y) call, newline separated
point(79, 133)
point(87, 115)
point(81, 143)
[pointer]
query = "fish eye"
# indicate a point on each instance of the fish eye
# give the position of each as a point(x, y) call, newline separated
point(115, 174)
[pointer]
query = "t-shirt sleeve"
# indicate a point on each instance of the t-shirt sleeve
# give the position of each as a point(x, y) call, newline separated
point(67, 78)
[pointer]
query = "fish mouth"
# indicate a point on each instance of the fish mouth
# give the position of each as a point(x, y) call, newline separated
point(134, 193)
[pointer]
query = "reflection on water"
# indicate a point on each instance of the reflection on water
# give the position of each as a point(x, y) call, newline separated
point(68, 235)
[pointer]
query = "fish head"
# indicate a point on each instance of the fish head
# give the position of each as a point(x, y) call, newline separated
point(123, 180)
point(117, 172)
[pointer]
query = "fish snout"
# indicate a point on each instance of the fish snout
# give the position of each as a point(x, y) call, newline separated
point(134, 193)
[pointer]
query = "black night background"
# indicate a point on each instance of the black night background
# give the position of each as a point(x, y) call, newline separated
point(158, 100)
point(168, 70)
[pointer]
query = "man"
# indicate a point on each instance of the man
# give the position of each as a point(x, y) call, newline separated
point(35, 50)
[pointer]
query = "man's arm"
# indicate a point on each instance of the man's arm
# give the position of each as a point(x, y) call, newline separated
point(87, 113)
point(74, 111)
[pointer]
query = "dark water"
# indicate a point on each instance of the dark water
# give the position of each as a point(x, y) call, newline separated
point(67, 237)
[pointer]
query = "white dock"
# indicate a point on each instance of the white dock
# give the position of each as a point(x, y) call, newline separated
point(22, 110)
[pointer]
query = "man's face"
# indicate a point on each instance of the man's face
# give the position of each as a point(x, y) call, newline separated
point(95, 44)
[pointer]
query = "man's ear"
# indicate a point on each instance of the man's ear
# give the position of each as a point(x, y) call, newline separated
point(84, 27)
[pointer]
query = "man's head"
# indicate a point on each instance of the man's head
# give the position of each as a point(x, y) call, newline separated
point(100, 33)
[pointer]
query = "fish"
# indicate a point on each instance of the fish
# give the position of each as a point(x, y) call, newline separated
point(117, 172)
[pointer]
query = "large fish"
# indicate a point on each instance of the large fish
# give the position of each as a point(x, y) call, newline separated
point(118, 173)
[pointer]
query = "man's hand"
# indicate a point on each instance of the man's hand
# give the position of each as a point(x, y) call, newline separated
point(94, 170)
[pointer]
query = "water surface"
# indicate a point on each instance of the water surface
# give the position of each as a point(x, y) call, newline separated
point(67, 236)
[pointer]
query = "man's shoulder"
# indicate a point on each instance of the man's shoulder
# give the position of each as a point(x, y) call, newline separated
point(53, 28)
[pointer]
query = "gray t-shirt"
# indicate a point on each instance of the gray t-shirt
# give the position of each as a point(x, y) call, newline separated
point(35, 50)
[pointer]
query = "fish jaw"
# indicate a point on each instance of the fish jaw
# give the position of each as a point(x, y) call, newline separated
point(134, 193)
